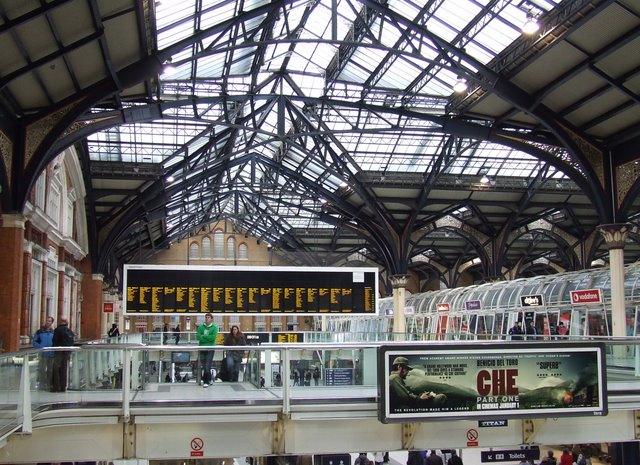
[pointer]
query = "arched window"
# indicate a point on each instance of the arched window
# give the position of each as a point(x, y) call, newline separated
point(218, 244)
point(194, 250)
point(243, 252)
point(206, 247)
point(231, 248)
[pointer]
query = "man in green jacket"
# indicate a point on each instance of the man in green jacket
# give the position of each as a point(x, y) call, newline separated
point(206, 335)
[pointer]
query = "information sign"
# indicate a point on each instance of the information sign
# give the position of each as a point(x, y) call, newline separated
point(534, 300)
point(522, 455)
point(586, 296)
point(160, 289)
point(473, 305)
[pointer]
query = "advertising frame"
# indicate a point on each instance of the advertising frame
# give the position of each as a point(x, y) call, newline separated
point(491, 381)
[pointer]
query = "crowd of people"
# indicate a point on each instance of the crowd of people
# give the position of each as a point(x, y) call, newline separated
point(529, 332)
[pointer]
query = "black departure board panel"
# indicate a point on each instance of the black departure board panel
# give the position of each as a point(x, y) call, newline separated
point(160, 289)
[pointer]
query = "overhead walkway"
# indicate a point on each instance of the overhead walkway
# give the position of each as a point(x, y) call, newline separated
point(120, 405)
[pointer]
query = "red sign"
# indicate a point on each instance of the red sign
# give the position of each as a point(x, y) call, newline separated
point(472, 438)
point(197, 445)
point(443, 307)
point(107, 307)
point(586, 296)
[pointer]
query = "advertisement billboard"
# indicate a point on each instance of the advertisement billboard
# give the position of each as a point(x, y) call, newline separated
point(444, 381)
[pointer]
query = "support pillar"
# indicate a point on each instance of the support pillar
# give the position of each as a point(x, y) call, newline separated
point(399, 284)
point(615, 236)
point(91, 303)
point(27, 312)
point(11, 264)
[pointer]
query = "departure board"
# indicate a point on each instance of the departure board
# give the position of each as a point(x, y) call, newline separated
point(160, 289)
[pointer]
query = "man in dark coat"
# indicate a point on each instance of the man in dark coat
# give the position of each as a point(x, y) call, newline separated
point(62, 337)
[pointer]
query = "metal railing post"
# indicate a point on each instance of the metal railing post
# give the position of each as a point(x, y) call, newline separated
point(286, 389)
point(126, 385)
point(24, 397)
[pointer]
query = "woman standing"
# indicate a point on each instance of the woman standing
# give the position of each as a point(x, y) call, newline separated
point(234, 357)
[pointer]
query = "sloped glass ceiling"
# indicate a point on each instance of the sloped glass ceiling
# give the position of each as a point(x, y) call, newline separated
point(295, 99)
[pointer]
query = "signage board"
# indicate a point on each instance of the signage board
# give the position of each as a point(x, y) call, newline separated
point(534, 300)
point(473, 305)
point(515, 455)
point(586, 296)
point(339, 376)
point(287, 337)
point(443, 307)
point(107, 307)
point(463, 381)
point(493, 423)
point(279, 290)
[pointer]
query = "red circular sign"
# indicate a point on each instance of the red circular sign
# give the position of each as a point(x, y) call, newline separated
point(197, 444)
point(472, 435)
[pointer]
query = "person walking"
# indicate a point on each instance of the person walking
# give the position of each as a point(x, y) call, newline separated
point(62, 337)
point(530, 331)
point(206, 335)
point(434, 459)
point(566, 458)
point(234, 357)
point(516, 332)
point(41, 339)
point(114, 331)
point(454, 459)
point(165, 333)
point(176, 334)
point(549, 459)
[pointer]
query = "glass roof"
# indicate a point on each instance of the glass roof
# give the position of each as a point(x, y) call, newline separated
point(296, 101)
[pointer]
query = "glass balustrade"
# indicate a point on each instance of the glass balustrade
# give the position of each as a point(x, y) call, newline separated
point(141, 370)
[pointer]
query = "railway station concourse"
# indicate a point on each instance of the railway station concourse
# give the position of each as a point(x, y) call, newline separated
point(448, 144)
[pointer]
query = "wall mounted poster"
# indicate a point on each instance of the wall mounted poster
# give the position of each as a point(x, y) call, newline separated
point(491, 381)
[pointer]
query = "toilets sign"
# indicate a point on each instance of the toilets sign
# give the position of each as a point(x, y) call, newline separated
point(586, 296)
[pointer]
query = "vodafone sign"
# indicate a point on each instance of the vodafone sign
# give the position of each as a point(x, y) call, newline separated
point(586, 296)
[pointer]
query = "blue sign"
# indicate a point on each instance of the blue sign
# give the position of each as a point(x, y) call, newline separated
point(339, 376)
point(522, 455)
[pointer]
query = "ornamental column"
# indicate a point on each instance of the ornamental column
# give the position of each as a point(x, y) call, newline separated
point(615, 236)
point(11, 264)
point(399, 284)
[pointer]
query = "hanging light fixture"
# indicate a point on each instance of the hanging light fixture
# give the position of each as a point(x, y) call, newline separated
point(460, 86)
point(531, 25)
point(168, 68)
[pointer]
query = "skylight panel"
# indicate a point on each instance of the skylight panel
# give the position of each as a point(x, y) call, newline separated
point(215, 12)
point(496, 36)
point(175, 34)
point(455, 16)
point(481, 54)
point(169, 13)
point(399, 75)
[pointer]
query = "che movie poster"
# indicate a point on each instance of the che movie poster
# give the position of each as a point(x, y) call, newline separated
point(530, 380)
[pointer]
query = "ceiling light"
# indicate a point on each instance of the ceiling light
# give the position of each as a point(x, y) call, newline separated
point(484, 179)
point(531, 25)
point(460, 86)
point(168, 69)
point(170, 179)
